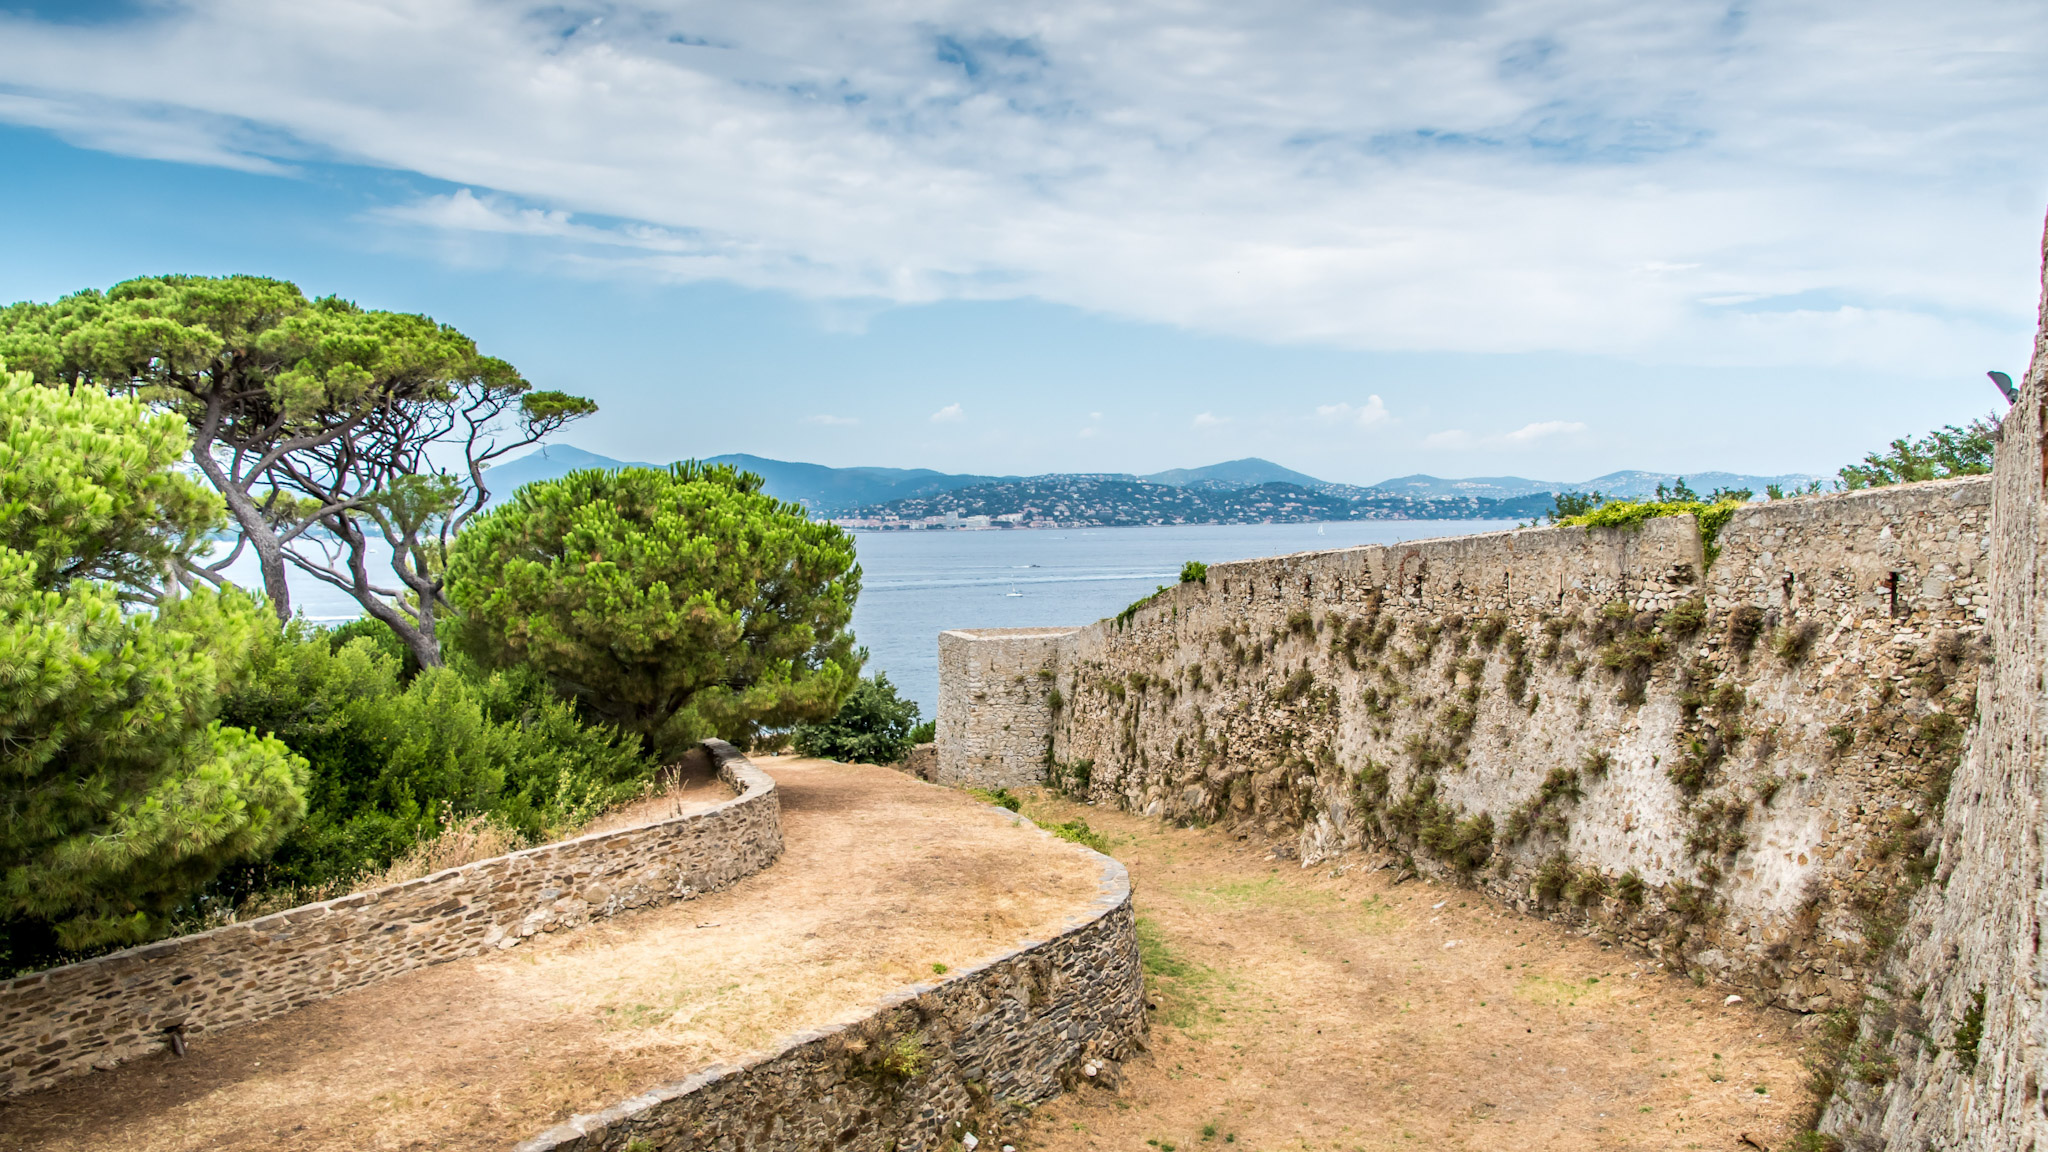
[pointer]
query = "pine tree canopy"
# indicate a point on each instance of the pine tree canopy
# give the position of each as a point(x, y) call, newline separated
point(322, 424)
point(676, 604)
point(120, 794)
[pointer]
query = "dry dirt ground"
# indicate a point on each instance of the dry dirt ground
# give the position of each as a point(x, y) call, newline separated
point(883, 878)
point(1333, 1009)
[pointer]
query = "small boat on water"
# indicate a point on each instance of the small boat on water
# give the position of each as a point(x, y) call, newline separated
point(1013, 592)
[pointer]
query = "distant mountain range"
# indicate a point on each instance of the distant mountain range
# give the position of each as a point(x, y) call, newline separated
point(1231, 492)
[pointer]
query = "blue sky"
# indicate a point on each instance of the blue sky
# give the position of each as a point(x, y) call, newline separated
point(1359, 239)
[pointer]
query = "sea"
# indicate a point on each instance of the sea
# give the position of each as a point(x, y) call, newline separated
point(916, 584)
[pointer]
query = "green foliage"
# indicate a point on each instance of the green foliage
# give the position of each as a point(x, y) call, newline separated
point(90, 490)
point(928, 731)
point(1073, 778)
point(1630, 888)
point(1124, 618)
point(1000, 797)
point(1552, 878)
point(1078, 832)
point(1466, 844)
point(393, 759)
point(123, 791)
point(1570, 505)
point(873, 726)
point(1710, 516)
point(1970, 1032)
point(1194, 572)
point(305, 413)
point(905, 1058)
point(1944, 452)
point(676, 604)
point(1685, 617)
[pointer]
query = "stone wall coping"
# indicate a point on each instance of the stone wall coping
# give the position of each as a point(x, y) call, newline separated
point(1754, 515)
point(729, 762)
point(1046, 633)
point(1113, 892)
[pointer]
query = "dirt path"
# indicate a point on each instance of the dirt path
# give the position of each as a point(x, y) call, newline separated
point(882, 879)
point(1310, 1010)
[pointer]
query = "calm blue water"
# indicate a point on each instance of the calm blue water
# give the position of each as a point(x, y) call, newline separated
point(918, 584)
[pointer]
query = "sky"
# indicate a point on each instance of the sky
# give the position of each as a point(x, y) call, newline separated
point(1360, 239)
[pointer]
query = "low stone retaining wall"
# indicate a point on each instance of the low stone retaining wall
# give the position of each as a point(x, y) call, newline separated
point(926, 1066)
point(67, 1021)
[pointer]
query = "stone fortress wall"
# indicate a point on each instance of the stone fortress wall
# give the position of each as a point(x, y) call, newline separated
point(993, 715)
point(1952, 1048)
point(1733, 765)
point(66, 1021)
point(922, 1069)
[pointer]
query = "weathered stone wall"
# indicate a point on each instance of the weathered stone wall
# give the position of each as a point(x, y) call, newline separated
point(994, 715)
point(1729, 765)
point(927, 1066)
point(1953, 1046)
point(66, 1021)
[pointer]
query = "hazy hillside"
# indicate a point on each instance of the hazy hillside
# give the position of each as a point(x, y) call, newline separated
point(1247, 490)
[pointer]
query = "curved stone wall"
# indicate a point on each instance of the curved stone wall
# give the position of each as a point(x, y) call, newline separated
point(67, 1021)
point(928, 1065)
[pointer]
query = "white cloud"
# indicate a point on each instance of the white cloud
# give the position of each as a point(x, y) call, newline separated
point(1366, 415)
point(1210, 420)
point(833, 421)
point(950, 414)
point(1501, 176)
point(1543, 430)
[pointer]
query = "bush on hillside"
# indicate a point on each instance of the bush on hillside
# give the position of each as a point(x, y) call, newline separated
point(392, 760)
point(874, 726)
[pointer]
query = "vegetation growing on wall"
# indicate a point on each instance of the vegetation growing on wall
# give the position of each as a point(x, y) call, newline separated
point(1710, 515)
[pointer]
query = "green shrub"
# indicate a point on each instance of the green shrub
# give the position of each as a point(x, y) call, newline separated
point(1630, 888)
point(390, 760)
point(928, 730)
point(1194, 572)
point(1711, 517)
point(1970, 1032)
point(873, 726)
point(1078, 832)
point(1000, 797)
point(1552, 878)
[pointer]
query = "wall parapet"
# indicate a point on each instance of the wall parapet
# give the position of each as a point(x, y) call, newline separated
point(70, 1020)
point(922, 1067)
